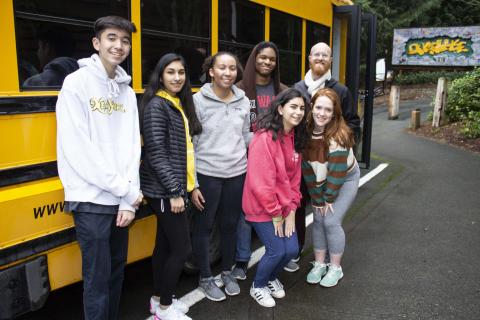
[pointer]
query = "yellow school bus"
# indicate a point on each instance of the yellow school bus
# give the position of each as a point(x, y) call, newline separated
point(42, 39)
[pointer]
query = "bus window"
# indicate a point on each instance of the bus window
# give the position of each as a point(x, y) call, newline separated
point(316, 33)
point(240, 27)
point(51, 49)
point(51, 36)
point(181, 26)
point(74, 9)
point(286, 33)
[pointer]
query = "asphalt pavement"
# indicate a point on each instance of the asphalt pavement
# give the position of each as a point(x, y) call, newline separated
point(412, 252)
point(413, 239)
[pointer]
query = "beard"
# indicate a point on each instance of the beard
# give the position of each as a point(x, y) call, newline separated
point(320, 69)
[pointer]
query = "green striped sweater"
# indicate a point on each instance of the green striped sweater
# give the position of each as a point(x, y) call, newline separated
point(324, 168)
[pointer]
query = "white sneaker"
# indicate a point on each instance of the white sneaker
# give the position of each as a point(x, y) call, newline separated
point(176, 303)
point(262, 296)
point(171, 313)
point(276, 289)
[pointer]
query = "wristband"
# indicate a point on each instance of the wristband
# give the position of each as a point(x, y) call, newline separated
point(277, 219)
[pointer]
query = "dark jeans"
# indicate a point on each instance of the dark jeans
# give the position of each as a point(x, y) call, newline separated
point(104, 254)
point(278, 252)
point(172, 249)
point(244, 240)
point(223, 197)
point(300, 224)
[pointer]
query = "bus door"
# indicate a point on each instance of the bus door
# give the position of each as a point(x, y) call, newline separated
point(354, 41)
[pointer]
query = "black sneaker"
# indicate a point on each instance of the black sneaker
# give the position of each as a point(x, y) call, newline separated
point(291, 266)
point(239, 272)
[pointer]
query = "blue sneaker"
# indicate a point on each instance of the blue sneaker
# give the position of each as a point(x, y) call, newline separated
point(211, 290)
point(334, 274)
point(317, 272)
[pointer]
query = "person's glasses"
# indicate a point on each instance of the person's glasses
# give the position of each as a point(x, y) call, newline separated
point(320, 55)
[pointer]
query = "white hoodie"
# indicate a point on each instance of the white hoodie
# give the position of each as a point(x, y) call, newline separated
point(98, 136)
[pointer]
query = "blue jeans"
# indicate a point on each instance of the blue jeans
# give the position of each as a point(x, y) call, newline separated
point(244, 240)
point(278, 252)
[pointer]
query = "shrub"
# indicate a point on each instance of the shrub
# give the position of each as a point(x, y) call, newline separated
point(463, 103)
point(421, 77)
point(471, 128)
point(430, 116)
point(464, 96)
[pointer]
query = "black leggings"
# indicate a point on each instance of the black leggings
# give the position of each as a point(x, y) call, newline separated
point(172, 248)
point(223, 196)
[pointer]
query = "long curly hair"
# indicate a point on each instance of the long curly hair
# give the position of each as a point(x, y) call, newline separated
point(273, 121)
point(337, 129)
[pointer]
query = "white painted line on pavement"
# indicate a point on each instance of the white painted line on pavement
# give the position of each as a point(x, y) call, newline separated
point(197, 295)
point(369, 176)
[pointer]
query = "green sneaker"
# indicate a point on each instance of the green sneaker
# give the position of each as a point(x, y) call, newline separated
point(332, 277)
point(317, 272)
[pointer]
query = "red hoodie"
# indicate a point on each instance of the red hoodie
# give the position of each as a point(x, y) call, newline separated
point(272, 185)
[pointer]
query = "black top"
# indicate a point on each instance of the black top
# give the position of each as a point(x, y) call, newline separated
point(163, 171)
point(349, 111)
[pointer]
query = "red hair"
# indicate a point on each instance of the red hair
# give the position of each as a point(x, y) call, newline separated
point(337, 129)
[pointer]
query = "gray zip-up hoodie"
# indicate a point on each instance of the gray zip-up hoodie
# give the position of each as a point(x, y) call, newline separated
point(221, 148)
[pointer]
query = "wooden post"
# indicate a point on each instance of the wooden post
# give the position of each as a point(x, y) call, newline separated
point(440, 103)
point(415, 124)
point(394, 103)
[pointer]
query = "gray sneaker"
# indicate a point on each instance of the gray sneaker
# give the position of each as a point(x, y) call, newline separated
point(210, 289)
point(239, 273)
point(230, 283)
point(291, 266)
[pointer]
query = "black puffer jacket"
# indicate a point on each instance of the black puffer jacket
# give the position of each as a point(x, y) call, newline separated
point(163, 172)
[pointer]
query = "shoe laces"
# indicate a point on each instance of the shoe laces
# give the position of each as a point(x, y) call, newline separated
point(275, 285)
point(228, 278)
point(261, 293)
point(333, 267)
point(332, 270)
point(317, 264)
point(209, 282)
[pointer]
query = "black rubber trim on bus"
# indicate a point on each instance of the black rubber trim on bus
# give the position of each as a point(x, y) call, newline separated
point(27, 105)
point(29, 173)
point(35, 246)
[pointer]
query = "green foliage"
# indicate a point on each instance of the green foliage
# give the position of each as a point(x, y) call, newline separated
point(463, 103)
point(419, 77)
point(471, 127)
point(393, 14)
point(430, 116)
point(464, 96)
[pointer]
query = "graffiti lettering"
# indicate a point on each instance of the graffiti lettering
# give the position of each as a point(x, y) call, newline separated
point(105, 106)
point(437, 46)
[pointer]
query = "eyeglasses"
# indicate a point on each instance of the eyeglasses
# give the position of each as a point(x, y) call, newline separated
point(320, 55)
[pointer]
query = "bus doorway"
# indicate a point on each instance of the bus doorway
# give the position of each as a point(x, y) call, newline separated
point(353, 41)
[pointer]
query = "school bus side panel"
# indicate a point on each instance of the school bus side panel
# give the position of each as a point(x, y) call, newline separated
point(313, 10)
point(31, 139)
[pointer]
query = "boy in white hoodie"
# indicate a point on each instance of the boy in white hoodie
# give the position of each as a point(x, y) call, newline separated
point(98, 157)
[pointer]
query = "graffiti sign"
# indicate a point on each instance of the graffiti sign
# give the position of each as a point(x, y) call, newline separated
point(453, 46)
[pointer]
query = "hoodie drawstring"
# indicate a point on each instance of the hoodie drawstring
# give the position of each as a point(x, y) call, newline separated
point(121, 77)
point(113, 89)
